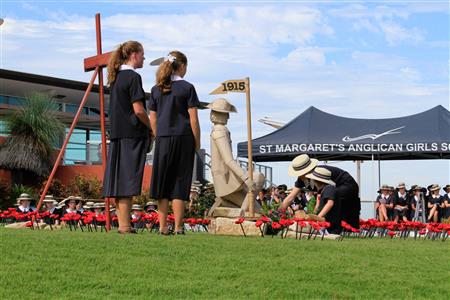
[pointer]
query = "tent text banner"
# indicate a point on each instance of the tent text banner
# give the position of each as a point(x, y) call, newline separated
point(425, 135)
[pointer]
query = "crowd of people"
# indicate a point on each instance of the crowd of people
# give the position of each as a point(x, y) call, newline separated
point(392, 203)
point(400, 203)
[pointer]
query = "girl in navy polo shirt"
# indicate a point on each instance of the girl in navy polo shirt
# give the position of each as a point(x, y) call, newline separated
point(446, 204)
point(129, 132)
point(435, 201)
point(174, 120)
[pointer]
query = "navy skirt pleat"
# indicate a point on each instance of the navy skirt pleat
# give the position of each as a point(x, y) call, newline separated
point(125, 167)
point(173, 163)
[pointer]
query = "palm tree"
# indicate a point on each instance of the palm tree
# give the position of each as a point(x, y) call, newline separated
point(35, 130)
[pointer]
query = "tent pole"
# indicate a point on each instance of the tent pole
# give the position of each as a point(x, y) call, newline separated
point(358, 176)
point(379, 171)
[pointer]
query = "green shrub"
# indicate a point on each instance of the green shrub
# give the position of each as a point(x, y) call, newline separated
point(85, 187)
point(57, 189)
point(17, 189)
point(5, 199)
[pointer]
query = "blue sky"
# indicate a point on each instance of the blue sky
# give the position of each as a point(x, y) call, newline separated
point(361, 59)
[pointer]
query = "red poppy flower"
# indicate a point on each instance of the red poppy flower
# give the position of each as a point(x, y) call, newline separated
point(265, 219)
point(100, 218)
point(29, 224)
point(258, 223)
point(239, 221)
point(276, 225)
point(391, 233)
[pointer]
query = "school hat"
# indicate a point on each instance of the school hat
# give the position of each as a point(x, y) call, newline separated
point(302, 165)
point(24, 196)
point(195, 189)
point(136, 207)
point(222, 105)
point(401, 185)
point(434, 187)
point(445, 188)
point(321, 174)
point(98, 205)
point(89, 205)
point(196, 183)
point(70, 198)
point(49, 199)
point(384, 187)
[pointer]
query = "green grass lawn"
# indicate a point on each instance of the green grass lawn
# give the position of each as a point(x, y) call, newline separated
point(74, 265)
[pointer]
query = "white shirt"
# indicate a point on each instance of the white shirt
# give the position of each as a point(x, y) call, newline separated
point(126, 67)
point(25, 209)
point(175, 77)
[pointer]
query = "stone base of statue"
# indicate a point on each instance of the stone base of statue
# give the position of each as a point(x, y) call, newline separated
point(227, 226)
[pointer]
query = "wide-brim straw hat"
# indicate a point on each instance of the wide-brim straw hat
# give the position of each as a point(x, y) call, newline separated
point(445, 188)
point(70, 198)
point(222, 105)
point(49, 199)
point(24, 196)
point(195, 189)
point(322, 175)
point(434, 187)
point(417, 188)
point(136, 207)
point(89, 204)
point(196, 183)
point(150, 203)
point(302, 165)
point(384, 187)
point(99, 205)
point(401, 185)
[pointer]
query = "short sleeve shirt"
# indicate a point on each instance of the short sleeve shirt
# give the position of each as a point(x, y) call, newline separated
point(339, 176)
point(401, 200)
point(328, 193)
point(172, 108)
point(437, 200)
point(126, 89)
point(301, 184)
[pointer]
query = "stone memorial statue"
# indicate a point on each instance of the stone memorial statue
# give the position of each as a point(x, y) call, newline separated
point(231, 182)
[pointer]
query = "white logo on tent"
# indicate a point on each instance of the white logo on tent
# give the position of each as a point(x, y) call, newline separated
point(372, 136)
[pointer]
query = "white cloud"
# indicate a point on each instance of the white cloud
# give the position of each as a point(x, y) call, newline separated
point(229, 43)
point(395, 33)
point(385, 20)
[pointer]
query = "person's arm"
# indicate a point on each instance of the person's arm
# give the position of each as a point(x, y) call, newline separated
point(140, 112)
point(316, 207)
point(288, 200)
point(153, 117)
point(193, 118)
point(326, 208)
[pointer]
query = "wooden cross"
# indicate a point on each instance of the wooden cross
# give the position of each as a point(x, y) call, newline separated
point(94, 63)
